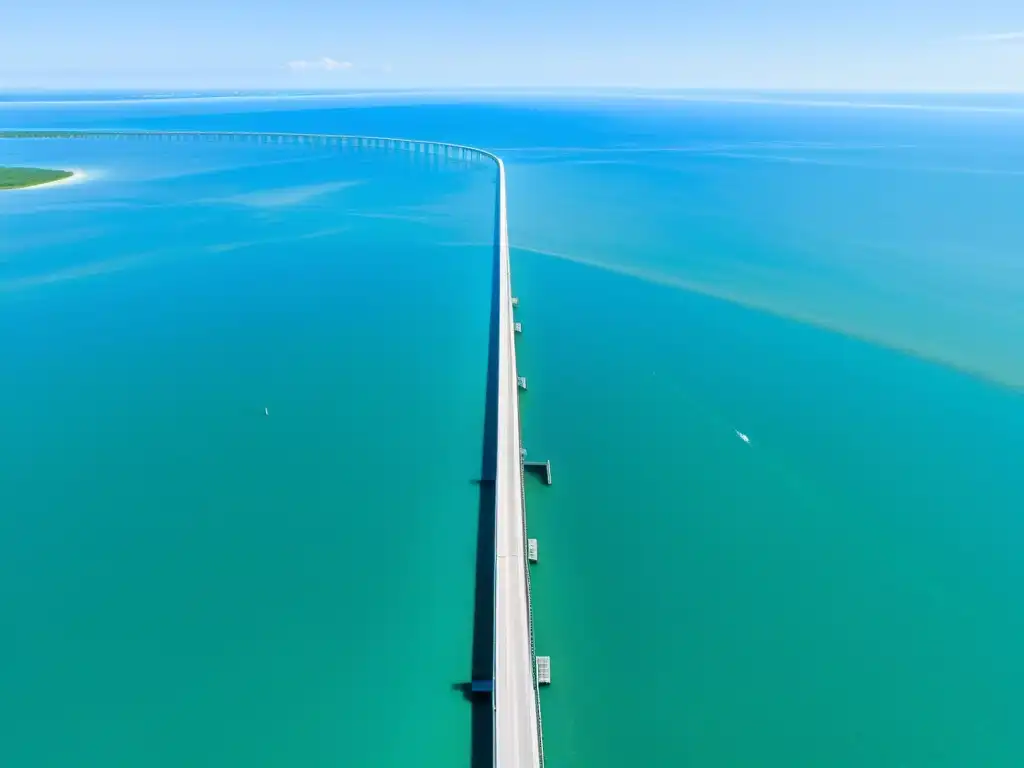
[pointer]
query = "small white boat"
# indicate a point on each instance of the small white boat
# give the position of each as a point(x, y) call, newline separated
point(741, 436)
point(266, 411)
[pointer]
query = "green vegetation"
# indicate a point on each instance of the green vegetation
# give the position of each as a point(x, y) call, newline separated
point(18, 178)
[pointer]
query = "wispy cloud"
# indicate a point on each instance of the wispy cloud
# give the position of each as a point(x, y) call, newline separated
point(998, 37)
point(283, 196)
point(323, 64)
point(239, 244)
point(104, 267)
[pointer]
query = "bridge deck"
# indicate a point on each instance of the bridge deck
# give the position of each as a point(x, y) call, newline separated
point(517, 737)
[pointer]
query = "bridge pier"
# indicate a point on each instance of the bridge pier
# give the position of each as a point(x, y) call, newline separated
point(542, 468)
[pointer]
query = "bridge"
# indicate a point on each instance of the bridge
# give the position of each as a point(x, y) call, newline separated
point(517, 736)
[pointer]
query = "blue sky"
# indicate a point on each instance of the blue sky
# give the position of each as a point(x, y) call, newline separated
point(807, 44)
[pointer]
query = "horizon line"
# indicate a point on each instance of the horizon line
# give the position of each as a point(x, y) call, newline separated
point(368, 89)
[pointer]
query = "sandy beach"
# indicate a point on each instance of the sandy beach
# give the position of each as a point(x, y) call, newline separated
point(78, 175)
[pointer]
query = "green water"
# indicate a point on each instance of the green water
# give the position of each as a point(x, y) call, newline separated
point(238, 520)
point(191, 580)
point(810, 598)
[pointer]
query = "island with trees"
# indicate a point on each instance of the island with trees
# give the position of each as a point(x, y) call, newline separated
point(19, 178)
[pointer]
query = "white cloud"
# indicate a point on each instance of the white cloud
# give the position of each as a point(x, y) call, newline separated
point(284, 196)
point(323, 64)
point(998, 37)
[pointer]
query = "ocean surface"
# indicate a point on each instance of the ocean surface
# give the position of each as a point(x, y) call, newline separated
point(242, 400)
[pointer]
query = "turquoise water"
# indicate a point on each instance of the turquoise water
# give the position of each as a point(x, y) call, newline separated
point(842, 285)
point(190, 580)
